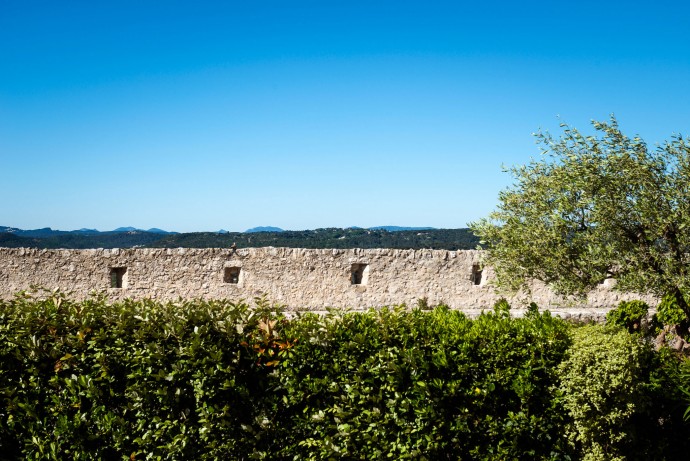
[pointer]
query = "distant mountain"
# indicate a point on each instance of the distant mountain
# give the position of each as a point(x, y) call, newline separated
point(130, 237)
point(263, 229)
point(87, 231)
point(125, 229)
point(399, 228)
point(446, 239)
point(155, 230)
point(43, 232)
point(76, 240)
point(48, 232)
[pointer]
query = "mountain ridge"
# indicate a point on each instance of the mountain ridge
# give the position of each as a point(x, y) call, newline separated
point(48, 231)
point(448, 239)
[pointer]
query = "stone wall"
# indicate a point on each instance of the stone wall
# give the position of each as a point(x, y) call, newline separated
point(297, 278)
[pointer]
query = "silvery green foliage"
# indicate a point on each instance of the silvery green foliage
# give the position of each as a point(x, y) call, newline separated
point(592, 208)
point(602, 385)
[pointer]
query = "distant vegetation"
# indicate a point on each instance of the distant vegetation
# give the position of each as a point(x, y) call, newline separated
point(81, 241)
point(446, 239)
point(264, 229)
point(441, 239)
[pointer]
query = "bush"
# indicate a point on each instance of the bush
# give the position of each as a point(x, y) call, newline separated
point(601, 388)
point(629, 315)
point(414, 385)
point(221, 380)
point(133, 379)
point(669, 311)
point(622, 397)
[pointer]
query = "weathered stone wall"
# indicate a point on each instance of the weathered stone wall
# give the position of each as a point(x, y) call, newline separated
point(297, 278)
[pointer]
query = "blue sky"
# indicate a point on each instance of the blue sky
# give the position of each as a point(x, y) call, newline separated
point(197, 116)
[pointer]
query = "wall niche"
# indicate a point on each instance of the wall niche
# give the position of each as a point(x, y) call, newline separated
point(359, 274)
point(118, 277)
point(476, 276)
point(232, 275)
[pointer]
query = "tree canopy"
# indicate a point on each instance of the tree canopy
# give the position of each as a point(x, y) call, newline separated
point(592, 208)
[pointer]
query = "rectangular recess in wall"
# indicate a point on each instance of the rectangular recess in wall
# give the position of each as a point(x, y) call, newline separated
point(476, 274)
point(118, 277)
point(232, 275)
point(359, 274)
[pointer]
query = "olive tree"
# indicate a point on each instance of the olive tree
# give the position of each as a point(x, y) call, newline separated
point(592, 208)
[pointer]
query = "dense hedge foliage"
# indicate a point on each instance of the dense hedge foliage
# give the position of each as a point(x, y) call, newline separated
point(423, 385)
point(622, 398)
point(221, 380)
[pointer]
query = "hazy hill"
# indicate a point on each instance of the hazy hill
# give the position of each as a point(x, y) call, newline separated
point(449, 239)
point(399, 228)
point(81, 241)
point(12, 240)
point(263, 229)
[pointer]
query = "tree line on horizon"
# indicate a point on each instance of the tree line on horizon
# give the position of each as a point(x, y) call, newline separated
point(438, 239)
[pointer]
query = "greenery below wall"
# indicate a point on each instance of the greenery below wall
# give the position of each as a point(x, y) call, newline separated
point(439, 239)
point(221, 380)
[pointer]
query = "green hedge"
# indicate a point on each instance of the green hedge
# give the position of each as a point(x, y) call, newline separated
point(221, 380)
point(423, 386)
point(137, 379)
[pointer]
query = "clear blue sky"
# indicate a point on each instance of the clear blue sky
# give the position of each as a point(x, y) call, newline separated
point(197, 116)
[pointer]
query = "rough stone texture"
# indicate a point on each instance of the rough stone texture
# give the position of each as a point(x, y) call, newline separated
point(297, 278)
